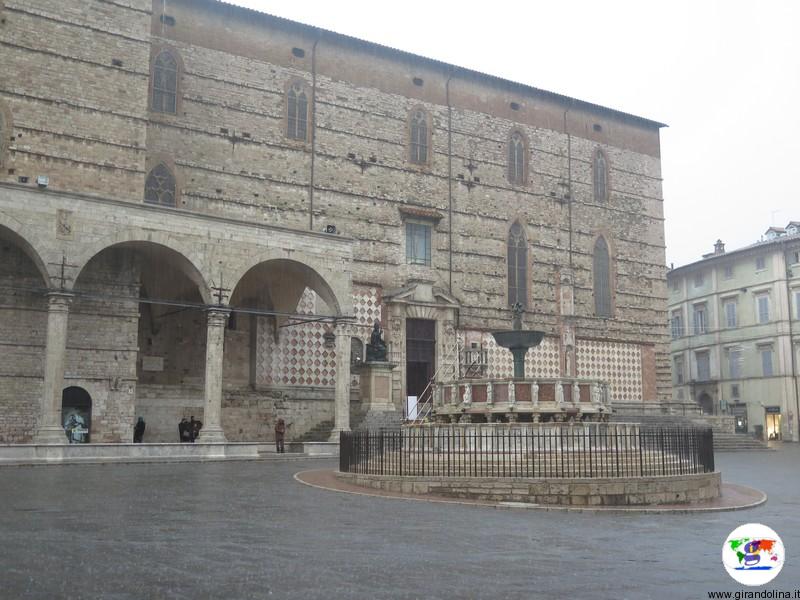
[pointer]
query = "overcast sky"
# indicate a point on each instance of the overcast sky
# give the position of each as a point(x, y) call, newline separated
point(725, 77)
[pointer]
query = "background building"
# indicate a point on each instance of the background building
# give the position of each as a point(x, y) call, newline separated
point(203, 210)
point(735, 317)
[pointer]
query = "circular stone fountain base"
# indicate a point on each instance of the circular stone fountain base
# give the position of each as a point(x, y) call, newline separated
point(732, 497)
point(598, 492)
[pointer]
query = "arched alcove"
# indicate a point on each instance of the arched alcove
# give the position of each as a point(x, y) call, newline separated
point(76, 414)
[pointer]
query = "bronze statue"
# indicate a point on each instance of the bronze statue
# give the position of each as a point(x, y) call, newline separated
point(376, 349)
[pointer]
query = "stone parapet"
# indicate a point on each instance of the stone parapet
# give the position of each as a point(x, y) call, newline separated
point(634, 491)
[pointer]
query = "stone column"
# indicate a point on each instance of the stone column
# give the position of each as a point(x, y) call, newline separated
point(215, 342)
point(341, 404)
point(51, 430)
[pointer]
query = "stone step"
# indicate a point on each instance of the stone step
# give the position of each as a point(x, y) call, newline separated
point(738, 442)
point(320, 432)
point(376, 420)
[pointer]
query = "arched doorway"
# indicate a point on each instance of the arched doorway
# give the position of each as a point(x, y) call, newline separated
point(76, 414)
point(706, 404)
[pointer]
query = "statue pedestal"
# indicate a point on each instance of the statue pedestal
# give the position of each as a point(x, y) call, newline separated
point(376, 386)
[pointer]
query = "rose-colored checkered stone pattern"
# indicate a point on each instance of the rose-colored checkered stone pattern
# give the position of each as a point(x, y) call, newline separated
point(618, 364)
point(541, 361)
point(366, 310)
point(366, 306)
point(300, 357)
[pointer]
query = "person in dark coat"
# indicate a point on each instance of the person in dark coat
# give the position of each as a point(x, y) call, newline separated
point(184, 431)
point(280, 434)
point(194, 428)
point(138, 431)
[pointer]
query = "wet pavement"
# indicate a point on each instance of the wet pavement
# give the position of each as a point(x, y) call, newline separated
point(248, 530)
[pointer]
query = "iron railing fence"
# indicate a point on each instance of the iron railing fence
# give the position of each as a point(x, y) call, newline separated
point(604, 450)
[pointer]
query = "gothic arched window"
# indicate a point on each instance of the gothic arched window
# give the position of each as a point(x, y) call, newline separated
point(160, 186)
point(600, 175)
point(602, 278)
point(419, 137)
point(165, 83)
point(516, 158)
point(517, 266)
point(297, 112)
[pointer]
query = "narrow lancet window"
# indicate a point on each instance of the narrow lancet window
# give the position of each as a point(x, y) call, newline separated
point(600, 173)
point(297, 112)
point(419, 137)
point(602, 279)
point(517, 266)
point(165, 83)
point(516, 159)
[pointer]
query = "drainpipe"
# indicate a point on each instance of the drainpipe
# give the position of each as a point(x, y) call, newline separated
point(786, 271)
point(449, 180)
point(313, 130)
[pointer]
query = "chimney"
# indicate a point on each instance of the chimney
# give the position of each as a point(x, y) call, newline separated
point(719, 247)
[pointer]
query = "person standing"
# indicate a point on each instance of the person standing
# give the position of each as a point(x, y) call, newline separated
point(138, 431)
point(194, 429)
point(184, 433)
point(280, 433)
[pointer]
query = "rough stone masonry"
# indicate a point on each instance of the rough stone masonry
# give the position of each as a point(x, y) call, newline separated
point(279, 131)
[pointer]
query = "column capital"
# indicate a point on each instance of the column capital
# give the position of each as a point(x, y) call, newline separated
point(218, 316)
point(343, 328)
point(59, 300)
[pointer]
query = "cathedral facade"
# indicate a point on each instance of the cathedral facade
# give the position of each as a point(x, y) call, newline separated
point(205, 209)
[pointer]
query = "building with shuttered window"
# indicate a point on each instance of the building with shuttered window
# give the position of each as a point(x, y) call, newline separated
point(735, 321)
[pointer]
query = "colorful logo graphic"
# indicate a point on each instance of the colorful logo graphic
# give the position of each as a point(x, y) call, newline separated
point(753, 554)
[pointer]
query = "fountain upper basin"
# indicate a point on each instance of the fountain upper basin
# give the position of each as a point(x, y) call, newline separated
point(518, 338)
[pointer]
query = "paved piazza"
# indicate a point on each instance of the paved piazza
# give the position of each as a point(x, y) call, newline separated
point(248, 530)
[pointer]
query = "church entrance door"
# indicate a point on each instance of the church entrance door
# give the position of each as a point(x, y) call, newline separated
point(420, 357)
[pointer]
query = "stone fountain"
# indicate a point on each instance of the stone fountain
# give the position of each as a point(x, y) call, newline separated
point(518, 340)
point(536, 399)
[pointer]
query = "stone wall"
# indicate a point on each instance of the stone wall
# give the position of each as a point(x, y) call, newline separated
point(102, 342)
point(248, 194)
point(78, 118)
point(247, 415)
point(635, 491)
point(23, 326)
point(232, 120)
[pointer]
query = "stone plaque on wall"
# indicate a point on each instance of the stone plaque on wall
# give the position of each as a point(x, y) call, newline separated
point(64, 224)
point(152, 363)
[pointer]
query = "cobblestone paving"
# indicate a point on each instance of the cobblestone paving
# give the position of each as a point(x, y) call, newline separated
point(248, 530)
